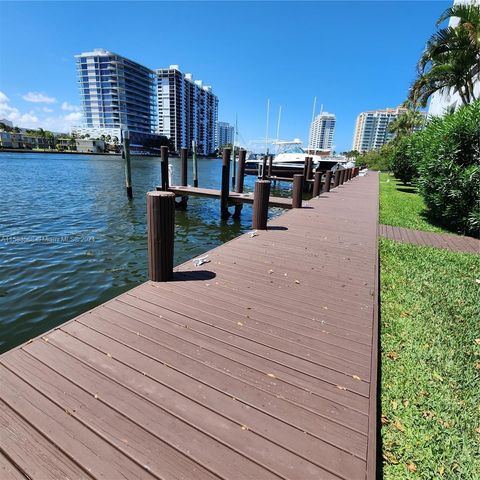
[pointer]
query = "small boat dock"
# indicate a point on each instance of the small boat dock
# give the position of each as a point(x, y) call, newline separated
point(260, 363)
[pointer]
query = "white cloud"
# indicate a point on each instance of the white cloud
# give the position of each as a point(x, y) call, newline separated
point(73, 117)
point(37, 97)
point(28, 120)
point(56, 123)
point(69, 107)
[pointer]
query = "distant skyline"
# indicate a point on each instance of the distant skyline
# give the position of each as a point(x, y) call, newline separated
point(353, 56)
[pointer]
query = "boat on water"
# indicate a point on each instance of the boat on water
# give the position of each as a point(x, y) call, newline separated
point(290, 159)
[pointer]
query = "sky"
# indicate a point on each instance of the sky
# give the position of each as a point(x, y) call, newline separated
point(351, 56)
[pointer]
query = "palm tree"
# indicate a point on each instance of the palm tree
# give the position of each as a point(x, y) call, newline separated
point(451, 59)
point(407, 122)
point(468, 16)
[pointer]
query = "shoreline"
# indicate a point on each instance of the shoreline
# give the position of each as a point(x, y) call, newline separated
point(55, 152)
point(24, 150)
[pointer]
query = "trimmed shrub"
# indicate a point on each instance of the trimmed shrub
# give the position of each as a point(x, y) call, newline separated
point(407, 154)
point(377, 159)
point(450, 169)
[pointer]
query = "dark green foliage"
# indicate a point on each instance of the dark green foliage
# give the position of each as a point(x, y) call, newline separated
point(449, 169)
point(405, 159)
point(377, 159)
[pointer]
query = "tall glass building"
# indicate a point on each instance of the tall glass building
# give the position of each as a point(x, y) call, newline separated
point(321, 132)
point(187, 110)
point(116, 94)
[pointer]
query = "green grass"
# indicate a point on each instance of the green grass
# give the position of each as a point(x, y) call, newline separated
point(401, 206)
point(430, 350)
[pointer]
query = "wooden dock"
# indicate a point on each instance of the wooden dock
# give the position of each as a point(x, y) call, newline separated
point(260, 364)
point(233, 197)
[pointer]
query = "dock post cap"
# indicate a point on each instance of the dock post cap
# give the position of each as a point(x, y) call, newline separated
point(160, 193)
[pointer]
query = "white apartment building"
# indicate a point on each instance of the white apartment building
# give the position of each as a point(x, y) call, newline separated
point(321, 132)
point(225, 134)
point(371, 128)
point(445, 101)
point(187, 110)
point(116, 94)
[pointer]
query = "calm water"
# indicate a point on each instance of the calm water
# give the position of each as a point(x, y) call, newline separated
point(70, 239)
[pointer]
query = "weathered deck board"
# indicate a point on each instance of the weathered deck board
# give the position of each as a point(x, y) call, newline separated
point(232, 196)
point(259, 364)
point(448, 241)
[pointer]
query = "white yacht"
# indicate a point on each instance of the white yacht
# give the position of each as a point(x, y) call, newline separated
point(290, 159)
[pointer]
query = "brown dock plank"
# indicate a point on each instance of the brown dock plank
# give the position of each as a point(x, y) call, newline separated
point(448, 241)
point(232, 196)
point(260, 364)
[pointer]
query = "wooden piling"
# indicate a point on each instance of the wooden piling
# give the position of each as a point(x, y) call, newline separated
point(308, 173)
point(270, 165)
point(297, 190)
point(234, 166)
point(336, 179)
point(264, 167)
point(260, 204)
point(183, 166)
point(225, 184)
point(328, 180)
point(161, 231)
point(242, 155)
point(126, 158)
point(317, 183)
point(194, 164)
point(164, 167)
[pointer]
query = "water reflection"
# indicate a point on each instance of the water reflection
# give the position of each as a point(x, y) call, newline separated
point(45, 282)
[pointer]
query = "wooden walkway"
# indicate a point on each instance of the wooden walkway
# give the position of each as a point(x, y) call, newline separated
point(259, 365)
point(455, 243)
point(233, 197)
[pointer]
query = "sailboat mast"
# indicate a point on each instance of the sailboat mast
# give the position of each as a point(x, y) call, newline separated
point(234, 140)
point(278, 123)
point(266, 131)
point(311, 123)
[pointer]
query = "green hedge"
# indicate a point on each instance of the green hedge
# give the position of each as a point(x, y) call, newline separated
point(406, 157)
point(377, 159)
point(449, 169)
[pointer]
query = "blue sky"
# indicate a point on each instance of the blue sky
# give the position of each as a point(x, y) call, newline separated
point(353, 56)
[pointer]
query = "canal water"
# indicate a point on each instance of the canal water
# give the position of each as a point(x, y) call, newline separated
point(70, 239)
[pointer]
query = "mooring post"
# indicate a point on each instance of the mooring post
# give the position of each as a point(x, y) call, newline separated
point(164, 167)
point(260, 204)
point(183, 166)
point(194, 163)
point(126, 158)
point(328, 179)
point(297, 190)
point(264, 167)
point(308, 173)
point(242, 155)
point(270, 165)
point(340, 175)
point(234, 166)
point(161, 231)
point(225, 184)
point(317, 183)
point(336, 179)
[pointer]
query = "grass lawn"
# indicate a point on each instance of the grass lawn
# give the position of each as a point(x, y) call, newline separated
point(430, 350)
point(401, 206)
